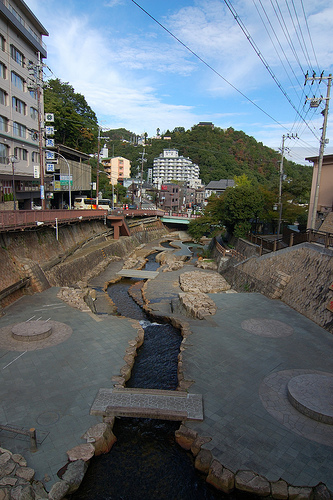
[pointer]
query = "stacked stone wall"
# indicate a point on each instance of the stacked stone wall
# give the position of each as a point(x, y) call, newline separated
point(300, 276)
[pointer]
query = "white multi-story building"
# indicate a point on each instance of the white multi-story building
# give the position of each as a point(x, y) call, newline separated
point(21, 105)
point(169, 166)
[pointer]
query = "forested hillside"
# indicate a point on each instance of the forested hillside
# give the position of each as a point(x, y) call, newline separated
point(219, 154)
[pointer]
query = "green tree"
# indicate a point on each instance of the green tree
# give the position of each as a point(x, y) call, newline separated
point(74, 121)
point(238, 206)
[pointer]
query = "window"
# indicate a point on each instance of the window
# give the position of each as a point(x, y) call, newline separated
point(33, 113)
point(17, 55)
point(35, 157)
point(3, 97)
point(2, 43)
point(20, 153)
point(3, 124)
point(19, 130)
point(18, 105)
point(3, 71)
point(33, 94)
point(3, 153)
point(17, 80)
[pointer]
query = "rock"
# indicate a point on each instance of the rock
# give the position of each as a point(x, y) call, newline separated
point(22, 493)
point(4, 494)
point(185, 437)
point(17, 458)
point(203, 282)
point(321, 492)
point(39, 490)
point(25, 473)
point(220, 477)
point(103, 438)
point(246, 480)
point(300, 493)
point(206, 264)
point(8, 481)
point(74, 474)
point(199, 441)
point(198, 304)
point(7, 468)
point(279, 489)
point(81, 452)
point(203, 461)
point(58, 490)
point(4, 458)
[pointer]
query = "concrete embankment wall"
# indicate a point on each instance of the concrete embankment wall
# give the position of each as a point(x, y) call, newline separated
point(82, 249)
point(300, 276)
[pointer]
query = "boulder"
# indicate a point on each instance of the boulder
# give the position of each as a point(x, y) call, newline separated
point(81, 452)
point(101, 437)
point(74, 474)
point(25, 473)
point(279, 489)
point(198, 443)
point(321, 492)
point(185, 437)
point(220, 477)
point(300, 493)
point(203, 461)
point(249, 481)
point(58, 490)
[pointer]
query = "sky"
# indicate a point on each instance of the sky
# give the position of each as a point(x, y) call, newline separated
point(146, 65)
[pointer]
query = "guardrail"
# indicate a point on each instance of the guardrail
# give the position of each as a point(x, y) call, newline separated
point(229, 252)
point(291, 238)
point(13, 220)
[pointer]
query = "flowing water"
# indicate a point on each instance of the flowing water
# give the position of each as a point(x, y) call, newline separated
point(146, 463)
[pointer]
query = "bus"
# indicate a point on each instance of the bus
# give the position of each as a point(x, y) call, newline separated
point(82, 203)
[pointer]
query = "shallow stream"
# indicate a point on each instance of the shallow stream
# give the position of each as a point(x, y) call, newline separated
point(146, 463)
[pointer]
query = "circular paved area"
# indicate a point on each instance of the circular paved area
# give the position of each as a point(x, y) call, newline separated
point(31, 330)
point(59, 333)
point(273, 393)
point(312, 395)
point(267, 327)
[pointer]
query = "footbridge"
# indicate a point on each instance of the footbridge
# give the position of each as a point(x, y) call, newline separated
point(148, 403)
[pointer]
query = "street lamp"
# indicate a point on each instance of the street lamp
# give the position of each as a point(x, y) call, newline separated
point(12, 159)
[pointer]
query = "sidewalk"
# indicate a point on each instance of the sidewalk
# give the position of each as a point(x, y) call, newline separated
point(52, 388)
point(241, 360)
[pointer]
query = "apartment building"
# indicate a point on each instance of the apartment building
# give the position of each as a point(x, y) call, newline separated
point(117, 169)
point(21, 103)
point(169, 166)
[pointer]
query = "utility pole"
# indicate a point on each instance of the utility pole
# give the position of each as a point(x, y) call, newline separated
point(314, 103)
point(36, 75)
point(143, 159)
point(98, 158)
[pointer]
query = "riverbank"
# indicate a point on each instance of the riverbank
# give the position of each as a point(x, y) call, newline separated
point(231, 364)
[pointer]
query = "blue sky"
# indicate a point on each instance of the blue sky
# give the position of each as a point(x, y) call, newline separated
point(135, 75)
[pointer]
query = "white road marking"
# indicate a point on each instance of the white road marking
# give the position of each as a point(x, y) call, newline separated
point(14, 359)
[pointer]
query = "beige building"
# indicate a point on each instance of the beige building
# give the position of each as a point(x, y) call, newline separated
point(325, 193)
point(21, 54)
point(117, 169)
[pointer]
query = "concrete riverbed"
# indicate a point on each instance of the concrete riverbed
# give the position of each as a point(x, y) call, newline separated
point(241, 359)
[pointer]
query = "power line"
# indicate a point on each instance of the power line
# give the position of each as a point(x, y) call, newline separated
point(208, 65)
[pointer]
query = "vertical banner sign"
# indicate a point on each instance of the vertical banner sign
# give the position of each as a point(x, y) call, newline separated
point(42, 193)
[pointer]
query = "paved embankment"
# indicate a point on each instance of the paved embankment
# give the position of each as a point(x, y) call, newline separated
point(241, 360)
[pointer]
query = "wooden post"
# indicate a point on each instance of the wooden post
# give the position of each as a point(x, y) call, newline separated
point(291, 239)
point(33, 440)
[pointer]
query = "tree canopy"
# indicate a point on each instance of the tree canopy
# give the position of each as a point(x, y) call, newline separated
point(74, 121)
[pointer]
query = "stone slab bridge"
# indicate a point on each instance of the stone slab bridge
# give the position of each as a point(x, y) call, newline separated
point(148, 403)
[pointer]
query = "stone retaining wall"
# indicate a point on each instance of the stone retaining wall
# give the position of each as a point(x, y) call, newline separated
point(300, 276)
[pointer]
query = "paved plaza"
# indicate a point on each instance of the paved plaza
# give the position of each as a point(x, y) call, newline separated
point(240, 360)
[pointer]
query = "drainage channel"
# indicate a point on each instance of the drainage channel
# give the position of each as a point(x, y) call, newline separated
point(146, 463)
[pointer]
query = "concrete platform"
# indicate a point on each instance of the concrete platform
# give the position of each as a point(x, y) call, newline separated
point(148, 403)
point(135, 273)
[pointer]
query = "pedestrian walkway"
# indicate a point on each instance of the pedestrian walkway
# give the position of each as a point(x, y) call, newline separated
point(50, 384)
point(241, 360)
